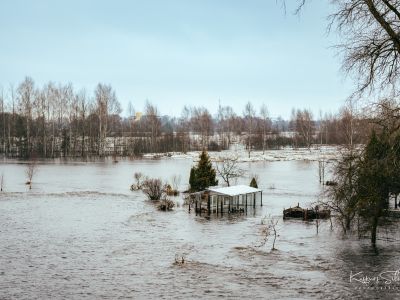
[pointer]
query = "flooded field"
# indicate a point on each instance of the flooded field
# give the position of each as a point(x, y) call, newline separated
point(80, 233)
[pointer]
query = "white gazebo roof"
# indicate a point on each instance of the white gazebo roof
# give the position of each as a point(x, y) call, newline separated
point(234, 190)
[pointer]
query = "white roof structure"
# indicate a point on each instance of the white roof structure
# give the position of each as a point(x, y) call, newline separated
point(235, 190)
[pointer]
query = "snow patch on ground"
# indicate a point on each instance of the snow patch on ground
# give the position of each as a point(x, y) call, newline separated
point(285, 154)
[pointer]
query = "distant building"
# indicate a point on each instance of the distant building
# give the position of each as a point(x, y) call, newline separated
point(138, 116)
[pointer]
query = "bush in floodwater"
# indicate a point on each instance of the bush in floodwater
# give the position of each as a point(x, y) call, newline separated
point(153, 188)
point(253, 183)
point(166, 205)
point(171, 191)
point(179, 259)
point(139, 178)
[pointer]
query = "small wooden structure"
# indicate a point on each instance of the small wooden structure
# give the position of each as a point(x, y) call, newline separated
point(238, 198)
point(306, 214)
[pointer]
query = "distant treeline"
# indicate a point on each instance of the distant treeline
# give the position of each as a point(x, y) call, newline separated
point(57, 121)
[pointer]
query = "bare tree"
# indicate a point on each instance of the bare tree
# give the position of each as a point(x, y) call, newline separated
point(184, 128)
point(153, 124)
point(270, 229)
point(25, 93)
point(249, 114)
point(154, 189)
point(265, 118)
point(304, 125)
point(229, 169)
point(229, 122)
point(371, 42)
point(30, 171)
point(341, 197)
point(3, 117)
point(131, 117)
point(347, 122)
point(220, 125)
point(202, 123)
point(107, 104)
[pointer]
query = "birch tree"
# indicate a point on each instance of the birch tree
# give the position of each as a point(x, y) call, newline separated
point(265, 120)
point(249, 115)
point(25, 94)
point(107, 104)
point(153, 124)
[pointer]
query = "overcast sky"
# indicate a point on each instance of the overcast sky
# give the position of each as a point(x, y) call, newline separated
point(177, 52)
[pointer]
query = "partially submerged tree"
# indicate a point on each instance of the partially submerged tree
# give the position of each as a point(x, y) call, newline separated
point(364, 184)
point(156, 191)
point(374, 184)
point(203, 175)
point(342, 196)
point(269, 229)
point(30, 171)
point(229, 169)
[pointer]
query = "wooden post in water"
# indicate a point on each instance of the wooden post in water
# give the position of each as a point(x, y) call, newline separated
point(261, 197)
point(209, 204)
point(246, 204)
point(222, 206)
point(195, 201)
point(254, 200)
point(229, 205)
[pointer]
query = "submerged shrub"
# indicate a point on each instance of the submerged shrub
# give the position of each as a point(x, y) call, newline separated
point(153, 188)
point(171, 191)
point(166, 204)
point(253, 183)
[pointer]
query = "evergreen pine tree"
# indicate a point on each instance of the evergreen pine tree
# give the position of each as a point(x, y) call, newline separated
point(373, 183)
point(253, 183)
point(192, 179)
point(203, 175)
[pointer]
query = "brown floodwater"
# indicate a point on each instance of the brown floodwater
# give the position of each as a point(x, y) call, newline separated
point(80, 233)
